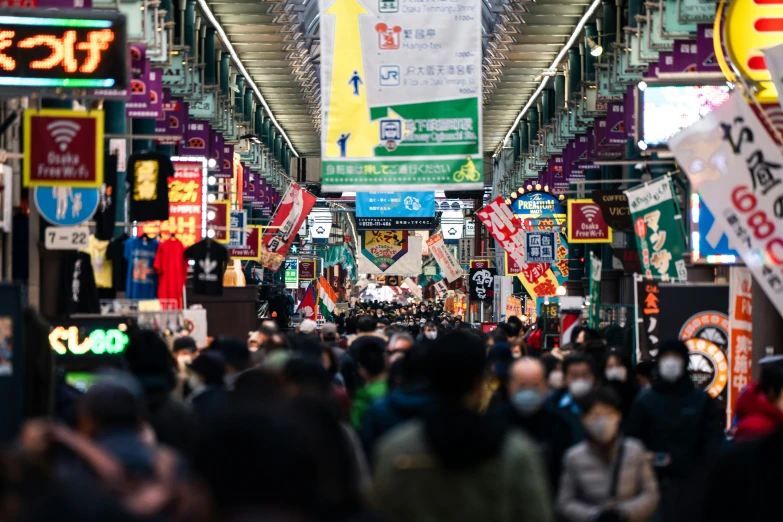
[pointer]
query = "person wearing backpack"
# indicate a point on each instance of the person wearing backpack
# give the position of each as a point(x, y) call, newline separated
point(608, 477)
point(678, 423)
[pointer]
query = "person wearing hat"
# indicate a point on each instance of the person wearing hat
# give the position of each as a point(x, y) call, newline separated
point(677, 422)
point(209, 394)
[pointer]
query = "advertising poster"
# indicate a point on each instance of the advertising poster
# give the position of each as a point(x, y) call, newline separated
point(595, 290)
point(482, 284)
point(195, 141)
point(740, 334)
point(402, 95)
point(449, 266)
point(187, 206)
point(513, 307)
point(540, 247)
point(287, 221)
point(658, 228)
point(291, 273)
point(170, 127)
point(383, 248)
point(648, 305)
point(586, 223)
point(409, 264)
point(63, 148)
point(251, 251)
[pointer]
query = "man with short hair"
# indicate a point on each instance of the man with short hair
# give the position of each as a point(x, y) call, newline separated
point(579, 376)
point(531, 412)
point(371, 360)
point(307, 327)
point(398, 345)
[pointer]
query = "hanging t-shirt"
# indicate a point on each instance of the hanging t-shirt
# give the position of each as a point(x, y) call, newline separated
point(77, 293)
point(101, 266)
point(119, 265)
point(211, 259)
point(172, 269)
point(148, 177)
point(107, 205)
point(142, 281)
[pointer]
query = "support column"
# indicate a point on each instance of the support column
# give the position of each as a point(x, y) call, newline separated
point(190, 26)
point(114, 122)
point(546, 106)
point(210, 69)
point(239, 97)
point(574, 73)
point(591, 31)
point(224, 73)
point(143, 126)
point(248, 113)
point(560, 92)
point(610, 34)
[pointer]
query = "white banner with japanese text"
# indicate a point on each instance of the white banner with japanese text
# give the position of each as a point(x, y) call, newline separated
point(448, 265)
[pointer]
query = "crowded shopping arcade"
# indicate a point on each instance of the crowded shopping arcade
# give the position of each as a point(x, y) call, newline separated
point(256, 267)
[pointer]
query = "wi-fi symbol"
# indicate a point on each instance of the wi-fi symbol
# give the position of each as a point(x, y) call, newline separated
point(63, 132)
point(589, 212)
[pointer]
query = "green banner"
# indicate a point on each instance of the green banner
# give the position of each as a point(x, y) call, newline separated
point(595, 291)
point(659, 233)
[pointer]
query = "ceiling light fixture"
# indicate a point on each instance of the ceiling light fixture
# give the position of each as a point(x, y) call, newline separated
point(552, 69)
point(595, 49)
point(230, 48)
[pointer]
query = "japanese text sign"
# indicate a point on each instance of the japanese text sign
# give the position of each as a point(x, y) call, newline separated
point(648, 306)
point(61, 48)
point(540, 247)
point(482, 284)
point(740, 334)
point(449, 266)
point(736, 167)
point(251, 251)
point(395, 204)
point(187, 206)
point(287, 221)
point(586, 223)
point(63, 147)
point(658, 231)
point(505, 228)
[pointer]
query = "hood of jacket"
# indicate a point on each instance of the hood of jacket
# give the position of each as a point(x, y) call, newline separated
point(410, 403)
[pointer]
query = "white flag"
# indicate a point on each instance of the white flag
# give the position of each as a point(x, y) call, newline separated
point(738, 170)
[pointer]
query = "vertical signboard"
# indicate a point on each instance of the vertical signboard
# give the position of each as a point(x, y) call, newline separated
point(648, 306)
point(291, 273)
point(402, 95)
point(449, 267)
point(289, 217)
point(740, 334)
point(595, 290)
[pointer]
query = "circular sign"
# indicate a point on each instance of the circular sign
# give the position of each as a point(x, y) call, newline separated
point(66, 206)
point(708, 367)
point(709, 325)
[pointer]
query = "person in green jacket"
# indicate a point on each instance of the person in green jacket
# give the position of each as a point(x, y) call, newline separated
point(371, 358)
point(455, 464)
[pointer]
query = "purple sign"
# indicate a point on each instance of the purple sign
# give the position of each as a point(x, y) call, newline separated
point(59, 4)
point(615, 124)
point(559, 182)
point(630, 117)
point(171, 125)
point(705, 50)
point(195, 140)
point(145, 88)
point(216, 151)
point(227, 163)
point(249, 179)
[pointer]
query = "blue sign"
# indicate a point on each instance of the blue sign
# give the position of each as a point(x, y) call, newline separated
point(537, 203)
point(395, 204)
point(712, 244)
point(66, 206)
point(540, 247)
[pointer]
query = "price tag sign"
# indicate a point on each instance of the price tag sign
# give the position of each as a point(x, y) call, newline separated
point(67, 238)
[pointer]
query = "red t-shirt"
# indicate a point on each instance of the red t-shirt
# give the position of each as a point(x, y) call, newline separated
point(172, 269)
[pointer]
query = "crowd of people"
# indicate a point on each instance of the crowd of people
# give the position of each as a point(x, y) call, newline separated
point(376, 418)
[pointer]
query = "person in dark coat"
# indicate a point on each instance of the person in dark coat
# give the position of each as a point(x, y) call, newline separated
point(530, 411)
point(678, 423)
point(618, 374)
point(410, 400)
point(209, 395)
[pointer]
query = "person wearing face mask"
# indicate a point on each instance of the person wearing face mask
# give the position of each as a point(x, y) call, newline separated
point(431, 331)
point(554, 373)
point(531, 412)
point(608, 477)
point(619, 376)
point(678, 423)
point(580, 380)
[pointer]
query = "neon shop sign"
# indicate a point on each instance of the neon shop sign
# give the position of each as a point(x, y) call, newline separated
point(69, 340)
point(62, 49)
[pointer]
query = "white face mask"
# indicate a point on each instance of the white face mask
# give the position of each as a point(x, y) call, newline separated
point(431, 335)
point(580, 387)
point(193, 381)
point(602, 429)
point(618, 373)
point(671, 368)
point(556, 379)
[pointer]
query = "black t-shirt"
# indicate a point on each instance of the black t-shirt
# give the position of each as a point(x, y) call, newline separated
point(148, 179)
point(107, 205)
point(211, 260)
point(115, 253)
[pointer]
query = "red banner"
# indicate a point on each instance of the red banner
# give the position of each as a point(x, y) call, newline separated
point(219, 219)
point(186, 206)
point(288, 219)
point(505, 227)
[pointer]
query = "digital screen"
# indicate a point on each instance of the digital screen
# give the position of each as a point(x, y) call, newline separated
point(71, 49)
point(666, 110)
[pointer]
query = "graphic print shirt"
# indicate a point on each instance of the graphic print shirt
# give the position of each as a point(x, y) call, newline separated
point(148, 175)
point(119, 265)
point(172, 269)
point(101, 266)
point(142, 280)
point(211, 259)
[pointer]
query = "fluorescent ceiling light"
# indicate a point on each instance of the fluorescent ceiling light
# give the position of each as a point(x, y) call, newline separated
point(230, 48)
point(552, 69)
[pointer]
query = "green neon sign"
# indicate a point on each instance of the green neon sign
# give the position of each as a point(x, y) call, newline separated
point(67, 340)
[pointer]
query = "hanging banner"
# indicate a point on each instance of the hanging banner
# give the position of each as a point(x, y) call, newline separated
point(505, 228)
point(658, 231)
point(63, 148)
point(736, 167)
point(287, 221)
point(513, 307)
point(482, 284)
point(586, 223)
point(195, 141)
point(466, 250)
point(411, 285)
point(441, 289)
point(395, 204)
point(449, 267)
point(218, 217)
point(251, 251)
point(170, 127)
point(538, 280)
point(402, 103)
point(187, 205)
point(648, 305)
point(740, 334)
point(383, 248)
point(407, 265)
point(595, 290)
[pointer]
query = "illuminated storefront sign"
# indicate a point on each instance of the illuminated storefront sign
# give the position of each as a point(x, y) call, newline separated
point(71, 49)
point(537, 203)
point(75, 340)
point(187, 203)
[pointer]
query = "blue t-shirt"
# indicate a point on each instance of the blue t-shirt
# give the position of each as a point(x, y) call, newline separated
point(142, 281)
